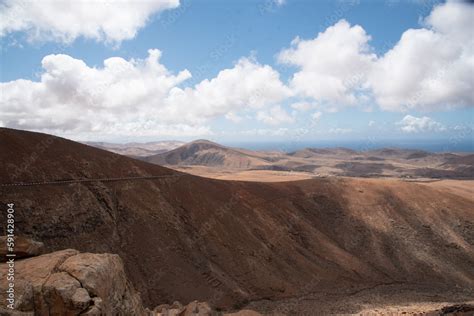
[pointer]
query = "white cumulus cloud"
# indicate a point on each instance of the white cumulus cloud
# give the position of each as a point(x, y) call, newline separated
point(231, 116)
point(275, 116)
point(246, 86)
point(333, 66)
point(137, 97)
point(65, 20)
point(412, 124)
point(430, 68)
point(316, 116)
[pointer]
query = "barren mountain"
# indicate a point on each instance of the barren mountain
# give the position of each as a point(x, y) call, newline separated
point(207, 153)
point(311, 152)
point(212, 160)
point(398, 153)
point(138, 149)
point(467, 160)
point(321, 243)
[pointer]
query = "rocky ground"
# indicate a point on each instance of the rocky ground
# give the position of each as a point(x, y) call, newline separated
point(68, 282)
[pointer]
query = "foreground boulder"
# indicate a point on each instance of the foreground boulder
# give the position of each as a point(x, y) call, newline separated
point(194, 308)
point(71, 283)
point(67, 283)
point(244, 312)
point(24, 247)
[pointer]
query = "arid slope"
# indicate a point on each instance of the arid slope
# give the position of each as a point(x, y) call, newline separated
point(229, 242)
point(206, 153)
point(138, 149)
point(212, 160)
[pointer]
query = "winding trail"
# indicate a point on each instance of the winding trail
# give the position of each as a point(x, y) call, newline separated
point(69, 181)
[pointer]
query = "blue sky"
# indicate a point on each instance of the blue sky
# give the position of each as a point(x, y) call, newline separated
point(188, 35)
point(247, 38)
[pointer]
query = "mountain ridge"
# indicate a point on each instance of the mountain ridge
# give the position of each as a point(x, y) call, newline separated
point(205, 152)
point(213, 160)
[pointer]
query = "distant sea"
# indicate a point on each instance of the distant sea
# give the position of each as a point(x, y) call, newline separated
point(449, 145)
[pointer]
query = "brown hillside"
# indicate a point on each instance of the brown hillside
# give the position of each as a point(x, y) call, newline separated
point(207, 153)
point(228, 242)
point(28, 156)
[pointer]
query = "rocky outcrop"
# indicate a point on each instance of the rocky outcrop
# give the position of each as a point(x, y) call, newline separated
point(244, 312)
point(23, 247)
point(458, 309)
point(194, 308)
point(71, 283)
point(68, 283)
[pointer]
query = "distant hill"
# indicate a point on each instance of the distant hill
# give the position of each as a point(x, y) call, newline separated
point(467, 160)
point(311, 152)
point(399, 153)
point(138, 149)
point(207, 153)
point(339, 161)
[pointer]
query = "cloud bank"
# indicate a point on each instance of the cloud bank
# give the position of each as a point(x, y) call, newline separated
point(135, 97)
point(333, 66)
point(412, 124)
point(64, 21)
point(430, 68)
